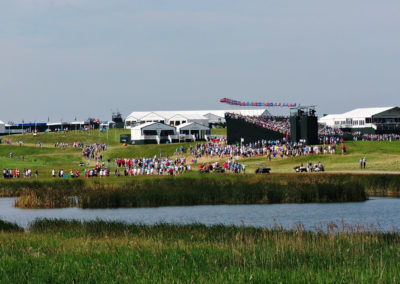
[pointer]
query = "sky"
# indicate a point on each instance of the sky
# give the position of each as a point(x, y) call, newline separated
point(67, 59)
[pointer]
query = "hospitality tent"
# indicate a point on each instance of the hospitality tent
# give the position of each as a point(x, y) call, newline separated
point(153, 133)
point(205, 117)
point(192, 131)
point(366, 120)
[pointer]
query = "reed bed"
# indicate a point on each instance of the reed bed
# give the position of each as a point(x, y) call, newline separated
point(175, 191)
point(62, 251)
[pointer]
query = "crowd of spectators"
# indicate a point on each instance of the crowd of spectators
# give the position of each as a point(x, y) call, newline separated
point(151, 166)
point(281, 125)
point(271, 149)
point(327, 135)
point(229, 166)
point(16, 173)
point(93, 151)
point(377, 137)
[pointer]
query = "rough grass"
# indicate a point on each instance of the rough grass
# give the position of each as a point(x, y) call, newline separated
point(61, 251)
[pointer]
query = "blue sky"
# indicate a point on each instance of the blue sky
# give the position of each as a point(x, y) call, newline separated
point(67, 58)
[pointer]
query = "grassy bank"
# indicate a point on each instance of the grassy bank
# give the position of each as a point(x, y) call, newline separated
point(102, 252)
point(186, 190)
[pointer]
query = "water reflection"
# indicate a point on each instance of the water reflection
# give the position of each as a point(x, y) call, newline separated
point(381, 212)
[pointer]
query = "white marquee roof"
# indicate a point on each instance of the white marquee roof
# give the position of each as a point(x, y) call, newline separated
point(1, 122)
point(365, 112)
point(147, 124)
point(192, 114)
point(192, 125)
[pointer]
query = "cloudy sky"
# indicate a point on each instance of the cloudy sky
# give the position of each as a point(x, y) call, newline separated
point(67, 58)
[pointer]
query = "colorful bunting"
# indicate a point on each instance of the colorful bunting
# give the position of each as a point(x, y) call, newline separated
point(256, 104)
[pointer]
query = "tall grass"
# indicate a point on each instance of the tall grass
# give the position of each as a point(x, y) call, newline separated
point(9, 227)
point(61, 251)
point(168, 191)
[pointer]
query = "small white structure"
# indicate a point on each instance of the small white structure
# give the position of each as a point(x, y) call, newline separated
point(372, 119)
point(153, 133)
point(107, 124)
point(58, 126)
point(192, 131)
point(2, 127)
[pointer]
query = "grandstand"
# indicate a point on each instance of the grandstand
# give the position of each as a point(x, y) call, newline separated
point(250, 129)
point(302, 126)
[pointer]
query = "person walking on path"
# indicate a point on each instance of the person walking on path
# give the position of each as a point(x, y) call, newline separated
point(361, 163)
point(364, 162)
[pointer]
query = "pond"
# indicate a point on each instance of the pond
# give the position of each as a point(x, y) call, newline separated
point(383, 213)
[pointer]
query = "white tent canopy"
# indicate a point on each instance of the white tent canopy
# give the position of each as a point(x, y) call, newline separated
point(152, 131)
point(363, 118)
point(192, 131)
point(178, 117)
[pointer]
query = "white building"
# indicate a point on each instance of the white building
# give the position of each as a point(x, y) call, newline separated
point(58, 126)
point(175, 118)
point(192, 131)
point(369, 120)
point(2, 127)
point(153, 133)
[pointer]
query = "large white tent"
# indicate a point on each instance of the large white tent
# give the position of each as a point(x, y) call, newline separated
point(372, 118)
point(175, 118)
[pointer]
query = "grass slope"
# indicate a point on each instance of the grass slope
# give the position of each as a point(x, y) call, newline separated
point(381, 155)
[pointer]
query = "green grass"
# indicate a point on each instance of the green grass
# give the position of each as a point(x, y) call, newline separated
point(373, 147)
point(87, 137)
point(381, 155)
point(106, 252)
point(218, 131)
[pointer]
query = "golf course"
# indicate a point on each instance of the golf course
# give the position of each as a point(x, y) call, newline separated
point(65, 251)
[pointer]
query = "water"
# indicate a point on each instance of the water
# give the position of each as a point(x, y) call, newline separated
point(380, 212)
